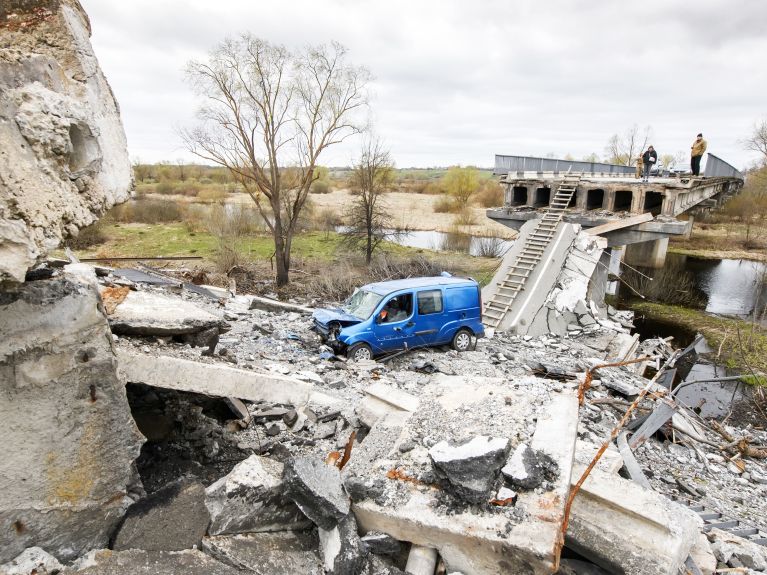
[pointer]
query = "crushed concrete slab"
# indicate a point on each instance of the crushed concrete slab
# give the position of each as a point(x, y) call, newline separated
point(625, 528)
point(381, 399)
point(171, 519)
point(727, 547)
point(381, 543)
point(317, 490)
point(268, 304)
point(67, 473)
point(471, 467)
point(251, 498)
point(394, 492)
point(141, 562)
point(217, 380)
point(150, 313)
point(527, 469)
point(342, 551)
point(33, 560)
point(279, 553)
point(703, 555)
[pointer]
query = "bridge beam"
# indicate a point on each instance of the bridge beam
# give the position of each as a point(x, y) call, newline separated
point(650, 254)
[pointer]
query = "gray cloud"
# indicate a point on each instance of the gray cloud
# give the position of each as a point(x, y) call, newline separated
point(458, 82)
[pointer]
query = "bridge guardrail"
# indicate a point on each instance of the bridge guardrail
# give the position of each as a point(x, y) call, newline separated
point(716, 167)
point(506, 164)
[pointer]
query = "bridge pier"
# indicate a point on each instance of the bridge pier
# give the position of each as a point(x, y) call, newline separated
point(650, 254)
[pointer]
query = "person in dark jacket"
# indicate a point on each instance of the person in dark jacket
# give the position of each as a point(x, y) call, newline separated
point(648, 159)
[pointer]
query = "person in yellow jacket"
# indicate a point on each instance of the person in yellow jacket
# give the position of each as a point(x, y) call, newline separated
point(698, 149)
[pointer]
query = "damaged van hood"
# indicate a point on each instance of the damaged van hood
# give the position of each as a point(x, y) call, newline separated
point(325, 316)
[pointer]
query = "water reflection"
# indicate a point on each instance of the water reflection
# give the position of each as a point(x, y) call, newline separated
point(727, 286)
point(454, 242)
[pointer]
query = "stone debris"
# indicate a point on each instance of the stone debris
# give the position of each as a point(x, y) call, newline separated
point(528, 469)
point(737, 552)
point(251, 498)
point(173, 518)
point(317, 490)
point(278, 553)
point(382, 543)
point(141, 562)
point(32, 560)
point(471, 467)
point(343, 553)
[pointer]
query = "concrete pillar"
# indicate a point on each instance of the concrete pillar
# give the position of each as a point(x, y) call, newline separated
point(609, 201)
point(669, 203)
point(616, 255)
point(650, 254)
point(580, 198)
point(421, 561)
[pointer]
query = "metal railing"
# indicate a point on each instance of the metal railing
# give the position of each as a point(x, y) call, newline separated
point(716, 167)
point(506, 164)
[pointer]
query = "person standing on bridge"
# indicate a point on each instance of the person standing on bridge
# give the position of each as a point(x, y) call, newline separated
point(698, 148)
point(648, 159)
point(639, 167)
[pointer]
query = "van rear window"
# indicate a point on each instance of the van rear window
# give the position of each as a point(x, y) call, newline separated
point(429, 302)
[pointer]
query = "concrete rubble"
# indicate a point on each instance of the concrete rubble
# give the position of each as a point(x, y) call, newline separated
point(157, 427)
point(63, 152)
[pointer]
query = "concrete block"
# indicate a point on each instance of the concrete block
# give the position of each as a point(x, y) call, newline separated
point(628, 529)
point(251, 498)
point(32, 561)
point(69, 438)
point(342, 551)
point(382, 399)
point(171, 519)
point(217, 380)
point(317, 490)
point(268, 304)
point(140, 562)
point(519, 539)
point(280, 553)
point(149, 313)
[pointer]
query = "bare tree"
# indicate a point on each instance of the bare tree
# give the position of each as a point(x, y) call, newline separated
point(370, 222)
point(268, 115)
point(624, 149)
point(757, 141)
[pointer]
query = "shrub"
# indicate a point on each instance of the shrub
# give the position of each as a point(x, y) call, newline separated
point(326, 220)
point(465, 217)
point(165, 187)
point(490, 194)
point(444, 205)
point(433, 189)
point(320, 187)
point(211, 194)
point(148, 212)
point(485, 247)
point(188, 188)
point(88, 237)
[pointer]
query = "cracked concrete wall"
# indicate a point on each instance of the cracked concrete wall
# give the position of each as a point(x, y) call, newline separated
point(63, 152)
point(69, 440)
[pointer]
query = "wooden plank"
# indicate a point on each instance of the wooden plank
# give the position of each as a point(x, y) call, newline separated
point(619, 224)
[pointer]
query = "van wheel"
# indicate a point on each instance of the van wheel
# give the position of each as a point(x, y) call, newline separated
point(360, 352)
point(462, 340)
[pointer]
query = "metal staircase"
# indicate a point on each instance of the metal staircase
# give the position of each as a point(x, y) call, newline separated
point(531, 254)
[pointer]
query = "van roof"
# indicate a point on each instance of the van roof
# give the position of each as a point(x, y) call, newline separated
point(384, 288)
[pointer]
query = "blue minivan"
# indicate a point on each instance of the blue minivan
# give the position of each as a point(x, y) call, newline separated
point(385, 317)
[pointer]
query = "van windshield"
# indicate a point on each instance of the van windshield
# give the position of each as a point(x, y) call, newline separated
point(362, 303)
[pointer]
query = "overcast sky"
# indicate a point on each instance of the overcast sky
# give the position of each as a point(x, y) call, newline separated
point(457, 82)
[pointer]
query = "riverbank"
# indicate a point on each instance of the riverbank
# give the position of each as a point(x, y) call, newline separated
point(740, 344)
point(722, 240)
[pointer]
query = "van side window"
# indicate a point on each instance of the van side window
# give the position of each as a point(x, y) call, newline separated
point(429, 302)
point(397, 308)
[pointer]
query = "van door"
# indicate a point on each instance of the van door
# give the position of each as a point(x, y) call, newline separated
point(395, 325)
point(430, 316)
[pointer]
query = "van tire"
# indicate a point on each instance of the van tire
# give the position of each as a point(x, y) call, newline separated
point(359, 352)
point(462, 340)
